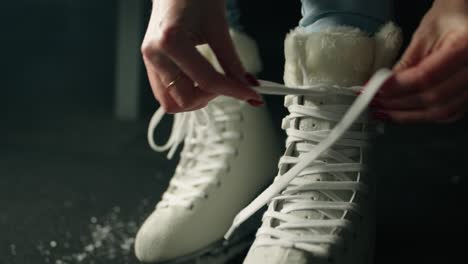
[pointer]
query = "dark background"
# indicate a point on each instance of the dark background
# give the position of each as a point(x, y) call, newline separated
point(71, 175)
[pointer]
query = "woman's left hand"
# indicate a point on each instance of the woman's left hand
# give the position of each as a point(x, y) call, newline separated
point(431, 80)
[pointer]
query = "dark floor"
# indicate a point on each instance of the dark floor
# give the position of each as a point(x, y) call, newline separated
point(75, 184)
point(76, 188)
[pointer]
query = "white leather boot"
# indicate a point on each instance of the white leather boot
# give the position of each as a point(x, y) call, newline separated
point(226, 161)
point(322, 212)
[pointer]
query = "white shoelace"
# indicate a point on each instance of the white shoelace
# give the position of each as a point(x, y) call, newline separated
point(289, 186)
point(205, 134)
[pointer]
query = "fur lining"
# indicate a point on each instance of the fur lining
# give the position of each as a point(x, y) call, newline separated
point(388, 43)
point(246, 49)
point(338, 55)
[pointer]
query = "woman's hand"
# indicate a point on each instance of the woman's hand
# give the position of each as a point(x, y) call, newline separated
point(431, 79)
point(181, 79)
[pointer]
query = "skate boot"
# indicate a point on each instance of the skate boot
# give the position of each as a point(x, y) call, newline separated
point(229, 148)
point(320, 205)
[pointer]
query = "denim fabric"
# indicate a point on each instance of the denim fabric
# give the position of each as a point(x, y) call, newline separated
point(233, 15)
point(367, 15)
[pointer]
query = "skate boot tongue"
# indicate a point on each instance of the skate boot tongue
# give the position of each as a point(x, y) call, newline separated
point(343, 71)
point(320, 64)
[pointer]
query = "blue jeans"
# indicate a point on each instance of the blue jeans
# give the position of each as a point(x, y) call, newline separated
point(367, 15)
point(233, 14)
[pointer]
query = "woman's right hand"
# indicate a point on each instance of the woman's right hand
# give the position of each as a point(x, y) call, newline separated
point(180, 77)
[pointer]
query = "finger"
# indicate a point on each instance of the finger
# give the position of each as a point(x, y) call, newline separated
point(449, 111)
point(190, 99)
point(412, 55)
point(175, 83)
point(440, 94)
point(170, 105)
point(452, 119)
point(437, 67)
point(186, 57)
point(164, 99)
point(223, 47)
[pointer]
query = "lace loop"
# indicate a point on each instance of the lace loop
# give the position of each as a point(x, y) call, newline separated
point(184, 124)
point(204, 132)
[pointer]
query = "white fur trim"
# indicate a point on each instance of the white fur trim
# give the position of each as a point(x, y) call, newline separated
point(338, 55)
point(388, 42)
point(246, 49)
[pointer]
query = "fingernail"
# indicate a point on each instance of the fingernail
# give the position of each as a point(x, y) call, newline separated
point(382, 116)
point(255, 103)
point(251, 79)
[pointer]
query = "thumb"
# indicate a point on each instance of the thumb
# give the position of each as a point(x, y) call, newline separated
point(223, 47)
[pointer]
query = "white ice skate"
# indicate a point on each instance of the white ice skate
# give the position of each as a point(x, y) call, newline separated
point(321, 203)
point(225, 163)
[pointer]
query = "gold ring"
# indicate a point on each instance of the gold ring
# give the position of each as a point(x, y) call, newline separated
point(174, 81)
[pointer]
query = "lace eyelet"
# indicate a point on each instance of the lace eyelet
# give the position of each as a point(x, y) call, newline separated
point(205, 196)
point(228, 169)
point(218, 184)
point(191, 207)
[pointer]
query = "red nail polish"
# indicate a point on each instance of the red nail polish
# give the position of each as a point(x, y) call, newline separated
point(380, 115)
point(251, 79)
point(255, 103)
